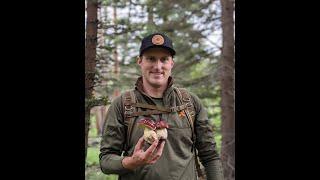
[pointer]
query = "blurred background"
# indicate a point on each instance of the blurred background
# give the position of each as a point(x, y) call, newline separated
point(203, 37)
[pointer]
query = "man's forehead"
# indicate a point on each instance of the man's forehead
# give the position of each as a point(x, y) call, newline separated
point(157, 52)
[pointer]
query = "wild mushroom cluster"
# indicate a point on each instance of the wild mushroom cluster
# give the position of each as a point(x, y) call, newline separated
point(154, 130)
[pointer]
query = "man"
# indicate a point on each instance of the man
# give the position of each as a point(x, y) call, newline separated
point(157, 99)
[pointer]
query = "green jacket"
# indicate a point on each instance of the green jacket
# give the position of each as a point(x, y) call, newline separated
point(177, 160)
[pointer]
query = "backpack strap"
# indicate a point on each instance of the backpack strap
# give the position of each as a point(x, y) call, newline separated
point(149, 106)
point(159, 108)
point(185, 98)
point(128, 100)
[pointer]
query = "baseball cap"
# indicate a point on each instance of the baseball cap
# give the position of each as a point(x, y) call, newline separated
point(157, 40)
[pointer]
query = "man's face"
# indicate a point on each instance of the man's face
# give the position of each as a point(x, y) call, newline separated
point(156, 65)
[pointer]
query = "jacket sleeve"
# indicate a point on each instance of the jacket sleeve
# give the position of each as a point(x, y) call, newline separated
point(205, 143)
point(113, 140)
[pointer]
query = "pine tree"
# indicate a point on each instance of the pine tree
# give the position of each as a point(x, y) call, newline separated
point(227, 90)
point(90, 57)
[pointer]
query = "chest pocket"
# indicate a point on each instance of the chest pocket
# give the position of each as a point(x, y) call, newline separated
point(179, 130)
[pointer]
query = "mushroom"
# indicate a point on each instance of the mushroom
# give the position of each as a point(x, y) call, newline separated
point(153, 131)
point(161, 129)
point(149, 134)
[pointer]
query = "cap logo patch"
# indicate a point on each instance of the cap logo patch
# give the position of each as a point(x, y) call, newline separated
point(157, 39)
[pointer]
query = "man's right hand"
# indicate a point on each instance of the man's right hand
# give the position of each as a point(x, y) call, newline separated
point(141, 157)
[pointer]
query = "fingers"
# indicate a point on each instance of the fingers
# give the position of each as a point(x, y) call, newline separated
point(151, 149)
point(158, 154)
point(150, 156)
point(139, 145)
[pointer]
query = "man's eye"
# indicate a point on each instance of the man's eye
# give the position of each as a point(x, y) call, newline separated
point(165, 59)
point(150, 58)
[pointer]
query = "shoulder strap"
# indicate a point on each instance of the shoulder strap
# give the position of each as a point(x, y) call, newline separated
point(185, 98)
point(128, 100)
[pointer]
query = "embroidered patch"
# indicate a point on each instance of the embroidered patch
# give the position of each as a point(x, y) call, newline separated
point(157, 40)
point(182, 114)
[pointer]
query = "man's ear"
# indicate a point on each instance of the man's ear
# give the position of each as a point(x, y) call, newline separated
point(139, 60)
point(172, 63)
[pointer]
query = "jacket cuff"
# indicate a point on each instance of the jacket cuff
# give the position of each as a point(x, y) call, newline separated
point(118, 165)
point(115, 166)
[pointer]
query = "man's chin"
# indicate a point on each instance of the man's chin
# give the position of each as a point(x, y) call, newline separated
point(158, 83)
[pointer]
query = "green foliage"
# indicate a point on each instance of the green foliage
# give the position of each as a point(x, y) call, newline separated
point(89, 103)
point(185, 22)
point(93, 156)
point(218, 140)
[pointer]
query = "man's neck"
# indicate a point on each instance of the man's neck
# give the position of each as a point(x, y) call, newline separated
point(154, 91)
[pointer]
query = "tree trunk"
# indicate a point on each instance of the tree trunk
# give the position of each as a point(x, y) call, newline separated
point(227, 90)
point(102, 69)
point(90, 63)
point(116, 91)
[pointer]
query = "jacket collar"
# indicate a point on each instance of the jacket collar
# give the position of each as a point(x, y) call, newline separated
point(139, 86)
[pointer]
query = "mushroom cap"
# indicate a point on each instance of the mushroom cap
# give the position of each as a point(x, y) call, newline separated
point(147, 123)
point(162, 124)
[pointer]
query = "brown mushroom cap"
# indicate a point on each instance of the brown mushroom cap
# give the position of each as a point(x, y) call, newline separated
point(162, 124)
point(147, 123)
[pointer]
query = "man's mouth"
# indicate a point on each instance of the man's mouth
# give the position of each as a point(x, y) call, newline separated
point(157, 73)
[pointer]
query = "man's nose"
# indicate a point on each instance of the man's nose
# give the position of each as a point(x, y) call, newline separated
point(158, 64)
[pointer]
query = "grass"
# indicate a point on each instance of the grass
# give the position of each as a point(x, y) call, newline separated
point(94, 173)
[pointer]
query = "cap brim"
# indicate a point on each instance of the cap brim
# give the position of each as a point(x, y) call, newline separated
point(172, 51)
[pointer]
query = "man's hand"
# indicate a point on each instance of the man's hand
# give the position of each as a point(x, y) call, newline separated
point(141, 157)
